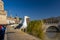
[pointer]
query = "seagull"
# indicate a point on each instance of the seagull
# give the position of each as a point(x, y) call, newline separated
point(22, 25)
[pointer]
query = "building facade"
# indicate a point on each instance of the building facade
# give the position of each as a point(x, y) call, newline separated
point(3, 13)
point(4, 19)
point(13, 20)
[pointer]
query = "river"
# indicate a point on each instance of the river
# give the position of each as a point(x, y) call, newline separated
point(52, 36)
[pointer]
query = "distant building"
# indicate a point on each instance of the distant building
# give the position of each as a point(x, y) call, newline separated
point(13, 20)
point(17, 20)
point(28, 20)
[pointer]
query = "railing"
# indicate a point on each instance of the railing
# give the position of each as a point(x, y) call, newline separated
point(50, 23)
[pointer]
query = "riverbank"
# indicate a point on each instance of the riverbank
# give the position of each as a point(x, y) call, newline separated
point(15, 34)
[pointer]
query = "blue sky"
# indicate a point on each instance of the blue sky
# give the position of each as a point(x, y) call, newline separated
point(35, 9)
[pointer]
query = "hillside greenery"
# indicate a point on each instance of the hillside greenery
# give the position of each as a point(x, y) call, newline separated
point(35, 28)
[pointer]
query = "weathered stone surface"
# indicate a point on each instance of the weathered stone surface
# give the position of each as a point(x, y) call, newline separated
point(13, 34)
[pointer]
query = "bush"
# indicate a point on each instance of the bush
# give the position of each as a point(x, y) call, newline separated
point(35, 28)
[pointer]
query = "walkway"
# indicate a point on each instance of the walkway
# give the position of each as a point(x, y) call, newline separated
point(14, 34)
